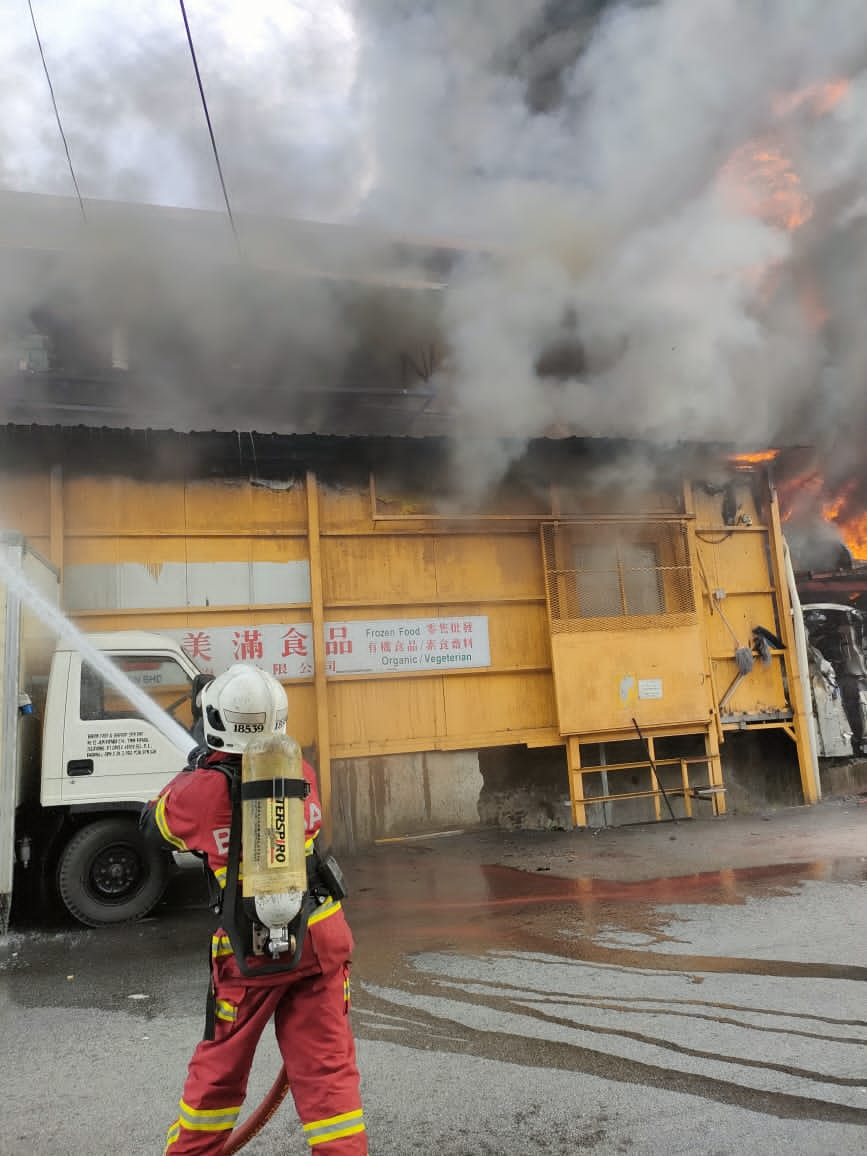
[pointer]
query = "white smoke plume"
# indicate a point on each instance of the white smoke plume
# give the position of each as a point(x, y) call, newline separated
point(617, 225)
point(632, 269)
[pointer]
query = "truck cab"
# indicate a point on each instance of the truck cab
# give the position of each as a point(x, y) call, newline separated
point(101, 760)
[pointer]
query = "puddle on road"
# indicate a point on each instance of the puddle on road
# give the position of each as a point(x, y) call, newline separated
point(432, 902)
point(467, 959)
point(410, 900)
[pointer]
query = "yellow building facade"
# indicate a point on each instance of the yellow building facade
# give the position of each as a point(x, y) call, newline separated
point(618, 626)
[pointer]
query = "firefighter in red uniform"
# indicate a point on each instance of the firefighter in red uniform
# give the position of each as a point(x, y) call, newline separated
point(309, 1004)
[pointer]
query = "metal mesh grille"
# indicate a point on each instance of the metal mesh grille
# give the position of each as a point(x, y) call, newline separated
point(603, 575)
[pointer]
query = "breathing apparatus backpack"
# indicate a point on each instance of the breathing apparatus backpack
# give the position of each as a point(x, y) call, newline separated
point(272, 885)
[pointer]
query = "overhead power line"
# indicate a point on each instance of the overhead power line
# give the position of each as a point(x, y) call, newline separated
point(209, 124)
point(57, 112)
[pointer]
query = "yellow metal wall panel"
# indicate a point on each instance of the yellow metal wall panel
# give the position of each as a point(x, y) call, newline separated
point(276, 549)
point(737, 562)
point(24, 506)
point(180, 619)
point(91, 504)
point(216, 506)
point(367, 712)
point(344, 510)
point(301, 719)
point(376, 569)
point(597, 679)
point(122, 505)
point(761, 692)
point(81, 551)
point(490, 566)
point(518, 633)
point(734, 560)
point(257, 549)
point(479, 704)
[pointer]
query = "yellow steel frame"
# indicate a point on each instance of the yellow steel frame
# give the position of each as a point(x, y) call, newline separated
point(714, 790)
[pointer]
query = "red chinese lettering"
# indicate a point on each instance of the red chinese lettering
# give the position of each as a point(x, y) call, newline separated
point(412, 646)
point(338, 641)
point(431, 628)
point(455, 628)
point(294, 642)
point(444, 644)
point(444, 628)
point(430, 644)
point(305, 668)
point(280, 668)
point(385, 647)
point(338, 646)
point(468, 644)
point(247, 645)
point(456, 644)
point(197, 644)
point(468, 628)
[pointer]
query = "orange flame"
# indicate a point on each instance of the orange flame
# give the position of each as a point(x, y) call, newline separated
point(763, 183)
point(818, 99)
point(854, 534)
point(747, 461)
point(852, 527)
point(760, 179)
point(807, 495)
point(754, 459)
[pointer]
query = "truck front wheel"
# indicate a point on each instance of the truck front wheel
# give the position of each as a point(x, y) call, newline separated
point(109, 873)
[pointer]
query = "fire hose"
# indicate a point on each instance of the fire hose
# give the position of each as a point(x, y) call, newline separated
point(257, 1119)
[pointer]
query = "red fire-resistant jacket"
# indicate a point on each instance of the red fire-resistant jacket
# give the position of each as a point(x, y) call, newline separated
point(194, 813)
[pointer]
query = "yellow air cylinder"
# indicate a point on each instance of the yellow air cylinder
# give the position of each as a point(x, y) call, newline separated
point(272, 830)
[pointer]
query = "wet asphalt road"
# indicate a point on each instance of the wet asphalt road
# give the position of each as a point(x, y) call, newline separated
point(496, 1010)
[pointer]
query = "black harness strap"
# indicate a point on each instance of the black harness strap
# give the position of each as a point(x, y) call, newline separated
point(210, 1008)
point(275, 788)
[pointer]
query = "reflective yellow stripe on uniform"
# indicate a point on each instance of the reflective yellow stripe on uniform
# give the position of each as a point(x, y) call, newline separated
point(220, 946)
point(208, 1119)
point(172, 1135)
point(329, 907)
point(226, 1011)
point(334, 1128)
point(220, 873)
point(163, 827)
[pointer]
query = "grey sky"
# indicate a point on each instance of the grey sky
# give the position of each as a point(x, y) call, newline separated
point(277, 74)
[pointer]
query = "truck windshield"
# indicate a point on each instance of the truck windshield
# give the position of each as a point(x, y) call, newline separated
point(160, 677)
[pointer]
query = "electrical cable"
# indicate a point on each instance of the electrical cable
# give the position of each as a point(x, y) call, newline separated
point(704, 537)
point(209, 124)
point(57, 111)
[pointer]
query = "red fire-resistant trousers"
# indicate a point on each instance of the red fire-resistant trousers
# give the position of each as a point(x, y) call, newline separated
point(311, 1023)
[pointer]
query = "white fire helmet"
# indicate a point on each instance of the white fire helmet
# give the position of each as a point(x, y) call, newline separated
point(241, 704)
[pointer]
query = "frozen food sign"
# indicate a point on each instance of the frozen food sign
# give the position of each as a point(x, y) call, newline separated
point(407, 644)
point(381, 646)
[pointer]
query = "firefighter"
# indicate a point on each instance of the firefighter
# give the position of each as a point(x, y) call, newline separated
point(309, 1004)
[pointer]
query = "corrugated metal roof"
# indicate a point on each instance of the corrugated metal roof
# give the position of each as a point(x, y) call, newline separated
point(120, 401)
point(377, 294)
point(36, 223)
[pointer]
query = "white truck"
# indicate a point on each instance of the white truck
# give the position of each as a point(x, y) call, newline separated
point(77, 760)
